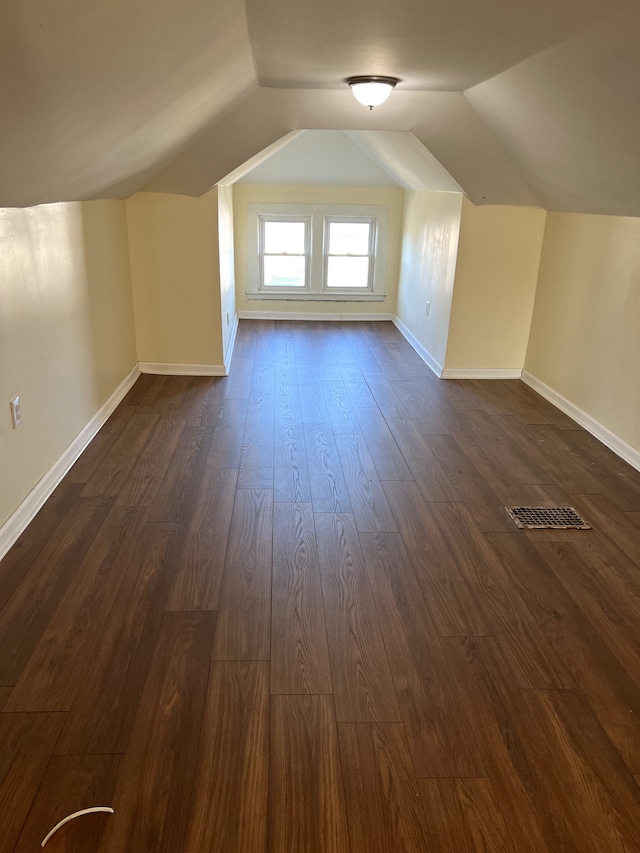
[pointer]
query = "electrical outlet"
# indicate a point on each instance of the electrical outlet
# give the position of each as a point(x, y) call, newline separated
point(428, 309)
point(16, 412)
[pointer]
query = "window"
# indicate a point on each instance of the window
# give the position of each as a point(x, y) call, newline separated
point(349, 252)
point(284, 252)
point(316, 252)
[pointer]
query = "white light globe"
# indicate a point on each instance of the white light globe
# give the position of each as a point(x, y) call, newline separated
point(373, 91)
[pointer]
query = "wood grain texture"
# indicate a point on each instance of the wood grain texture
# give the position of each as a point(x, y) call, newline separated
point(607, 600)
point(239, 379)
point(426, 676)
point(106, 702)
point(619, 527)
point(306, 798)
point(18, 560)
point(26, 615)
point(49, 680)
point(463, 815)
point(586, 794)
point(497, 457)
point(100, 445)
point(341, 412)
point(444, 417)
point(71, 783)
point(436, 716)
point(362, 682)
point(111, 475)
point(384, 806)
point(226, 444)
point(369, 505)
point(449, 598)
point(389, 461)
point(245, 347)
point(532, 659)
point(147, 473)
point(422, 463)
point(204, 401)
point(389, 402)
point(163, 754)
point(257, 445)
point(357, 389)
point(200, 567)
point(488, 509)
point(328, 488)
point(299, 653)
point(230, 790)
point(28, 741)
point(619, 481)
point(291, 472)
point(481, 671)
point(612, 693)
point(244, 623)
point(312, 402)
point(5, 693)
point(172, 497)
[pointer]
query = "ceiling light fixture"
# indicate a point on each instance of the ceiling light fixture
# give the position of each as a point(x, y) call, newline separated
point(371, 91)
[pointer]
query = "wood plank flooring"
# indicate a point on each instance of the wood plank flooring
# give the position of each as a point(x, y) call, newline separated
point(286, 612)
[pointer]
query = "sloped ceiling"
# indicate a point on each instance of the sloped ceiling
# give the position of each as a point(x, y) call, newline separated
point(521, 101)
point(324, 157)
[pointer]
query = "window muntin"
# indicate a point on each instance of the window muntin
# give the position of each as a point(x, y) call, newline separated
point(284, 249)
point(282, 272)
point(350, 245)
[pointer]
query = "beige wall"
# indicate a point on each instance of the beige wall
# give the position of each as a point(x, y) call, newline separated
point(495, 285)
point(429, 246)
point(176, 278)
point(585, 333)
point(66, 330)
point(245, 194)
point(227, 267)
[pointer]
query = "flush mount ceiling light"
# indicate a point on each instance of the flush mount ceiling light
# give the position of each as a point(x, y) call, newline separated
point(371, 91)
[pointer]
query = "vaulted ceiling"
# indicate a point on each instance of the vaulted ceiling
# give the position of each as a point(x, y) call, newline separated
point(521, 101)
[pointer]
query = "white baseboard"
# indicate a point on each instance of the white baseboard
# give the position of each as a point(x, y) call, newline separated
point(30, 506)
point(619, 446)
point(167, 369)
point(308, 315)
point(481, 373)
point(231, 344)
point(428, 359)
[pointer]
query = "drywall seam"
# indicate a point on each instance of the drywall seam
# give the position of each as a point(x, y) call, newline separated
point(44, 488)
point(162, 368)
point(426, 356)
point(619, 446)
point(482, 373)
point(307, 315)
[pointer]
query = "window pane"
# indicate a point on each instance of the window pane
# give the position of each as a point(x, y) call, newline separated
point(348, 272)
point(349, 238)
point(284, 237)
point(282, 271)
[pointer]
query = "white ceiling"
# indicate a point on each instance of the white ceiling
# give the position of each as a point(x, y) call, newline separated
point(570, 119)
point(320, 157)
point(440, 45)
point(357, 158)
point(520, 101)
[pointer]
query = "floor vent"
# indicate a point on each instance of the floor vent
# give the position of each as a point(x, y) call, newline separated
point(547, 517)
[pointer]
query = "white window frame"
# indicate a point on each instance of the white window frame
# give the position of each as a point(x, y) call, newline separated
point(283, 217)
point(316, 289)
point(372, 222)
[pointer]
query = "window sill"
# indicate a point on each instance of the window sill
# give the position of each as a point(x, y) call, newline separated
point(317, 297)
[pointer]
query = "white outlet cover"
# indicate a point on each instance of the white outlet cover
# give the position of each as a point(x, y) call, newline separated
point(16, 412)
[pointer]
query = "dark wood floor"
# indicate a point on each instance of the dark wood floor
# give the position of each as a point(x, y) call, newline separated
point(286, 611)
